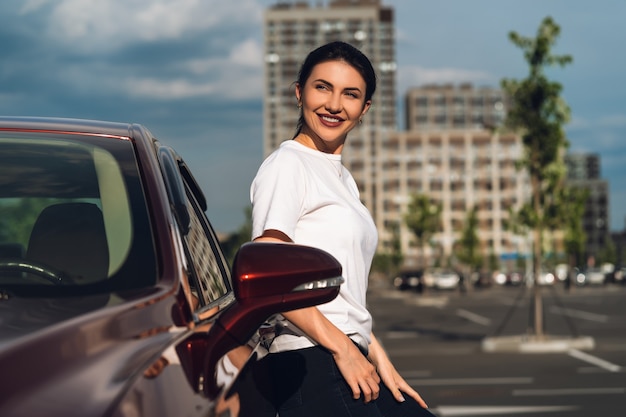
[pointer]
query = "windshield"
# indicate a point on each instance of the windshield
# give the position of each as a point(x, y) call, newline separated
point(72, 215)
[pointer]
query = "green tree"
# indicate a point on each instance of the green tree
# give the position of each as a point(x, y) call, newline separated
point(538, 112)
point(389, 262)
point(468, 246)
point(233, 242)
point(423, 218)
point(396, 258)
point(564, 207)
point(609, 251)
point(18, 216)
point(574, 200)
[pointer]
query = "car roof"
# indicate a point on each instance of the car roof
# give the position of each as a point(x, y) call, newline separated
point(65, 125)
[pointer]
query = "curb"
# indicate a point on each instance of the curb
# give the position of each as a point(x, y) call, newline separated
point(535, 344)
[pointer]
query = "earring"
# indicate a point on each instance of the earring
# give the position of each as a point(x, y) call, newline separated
point(360, 120)
point(299, 105)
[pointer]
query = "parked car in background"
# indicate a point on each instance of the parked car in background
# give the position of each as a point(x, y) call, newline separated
point(115, 298)
point(619, 276)
point(561, 272)
point(590, 276)
point(511, 278)
point(609, 269)
point(409, 280)
point(442, 279)
point(482, 279)
point(546, 277)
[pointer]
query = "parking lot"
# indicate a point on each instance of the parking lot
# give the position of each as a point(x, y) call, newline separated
point(436, 339)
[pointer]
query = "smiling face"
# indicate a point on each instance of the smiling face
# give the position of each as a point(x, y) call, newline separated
point(333, 101)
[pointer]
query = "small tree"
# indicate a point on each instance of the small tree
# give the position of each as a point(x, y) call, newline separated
point(423, 218)
point(396, 256)
point(539, 113)
point(390, 261)
point(608, 253)
point(468, 246)
point(574, 240)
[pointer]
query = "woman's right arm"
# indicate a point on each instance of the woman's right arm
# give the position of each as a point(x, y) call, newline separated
point(358, 372)
point(273, 235)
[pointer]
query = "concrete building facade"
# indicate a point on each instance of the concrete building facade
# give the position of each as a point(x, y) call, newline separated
point(441, 107)
point(459, 170)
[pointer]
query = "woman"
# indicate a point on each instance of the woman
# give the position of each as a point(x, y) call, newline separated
point(330, 364)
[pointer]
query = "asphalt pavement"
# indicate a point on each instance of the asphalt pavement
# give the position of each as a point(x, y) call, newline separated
point(436, 340)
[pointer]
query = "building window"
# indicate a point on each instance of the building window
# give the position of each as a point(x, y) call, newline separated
point(421, 102)
point(436, 185)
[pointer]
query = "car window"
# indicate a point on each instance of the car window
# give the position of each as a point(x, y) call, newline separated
point(72, 213)
point(210, 277)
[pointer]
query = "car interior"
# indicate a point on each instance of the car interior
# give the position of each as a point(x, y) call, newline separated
point(66, 213)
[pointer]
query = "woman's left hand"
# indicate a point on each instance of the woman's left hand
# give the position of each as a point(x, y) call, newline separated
point(390, 376)
point(397, 385)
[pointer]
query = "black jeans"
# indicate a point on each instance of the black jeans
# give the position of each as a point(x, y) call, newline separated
point(307, 383)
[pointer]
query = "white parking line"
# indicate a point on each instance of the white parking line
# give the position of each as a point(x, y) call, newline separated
point(596, 370)
point(611, 367)
point(401, 335)
point(416, 374)
point(484, 321)
point(428, 301)
point(437, 350)
point(600, 318)
point(470, 381)
point(568, 391)
point(478, 410)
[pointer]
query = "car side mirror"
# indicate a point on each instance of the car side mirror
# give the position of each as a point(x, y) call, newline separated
point(268, 278)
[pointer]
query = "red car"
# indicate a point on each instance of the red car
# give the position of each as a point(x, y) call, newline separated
point(115, 298)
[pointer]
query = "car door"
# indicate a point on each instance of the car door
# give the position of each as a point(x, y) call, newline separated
point(210, 287)
point(209, 274)
point(171, 384)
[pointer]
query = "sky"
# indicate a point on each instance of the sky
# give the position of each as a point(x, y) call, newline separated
point(191, 71)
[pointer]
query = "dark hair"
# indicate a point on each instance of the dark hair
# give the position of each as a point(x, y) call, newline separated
point(338, 51)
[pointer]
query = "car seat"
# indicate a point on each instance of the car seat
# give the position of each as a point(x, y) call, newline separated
point(71, 238)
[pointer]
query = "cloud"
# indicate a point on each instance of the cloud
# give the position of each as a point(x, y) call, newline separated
point(615, 120)
point(248, 53)
point(111, 24)
point(234, 85)
point(603, 135)
point(236, 76)
point(137, 48)
point(167, 89)
point(32, 5)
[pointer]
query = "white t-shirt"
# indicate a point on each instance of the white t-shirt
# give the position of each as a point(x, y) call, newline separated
point(312, 198)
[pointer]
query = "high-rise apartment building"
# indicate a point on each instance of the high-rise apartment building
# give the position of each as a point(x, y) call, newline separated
point(292, 30)
point(583, 171)
point(582, 166)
